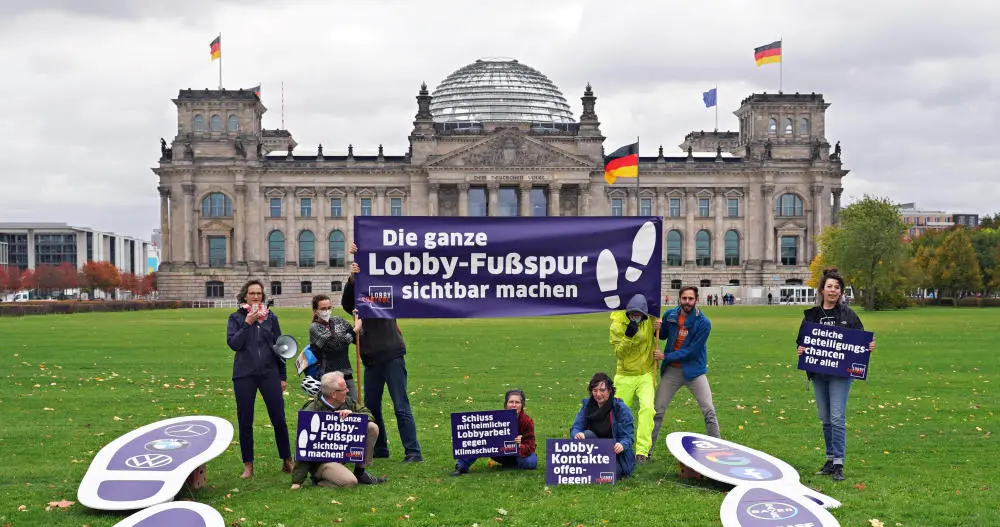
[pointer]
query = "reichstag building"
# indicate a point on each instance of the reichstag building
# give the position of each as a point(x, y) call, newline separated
point(495, 138)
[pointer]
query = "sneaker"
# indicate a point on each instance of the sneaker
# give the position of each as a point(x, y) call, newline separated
point(365, 478)
point(838, 472)
point(827, 469)
point(641, 459)
point(414, 458)
point(457, 473)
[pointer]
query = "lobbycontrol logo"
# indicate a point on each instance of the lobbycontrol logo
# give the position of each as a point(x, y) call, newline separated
point(857, 370)
point(379, 296)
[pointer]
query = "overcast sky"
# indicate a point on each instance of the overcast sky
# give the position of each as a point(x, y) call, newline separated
point(913, 85)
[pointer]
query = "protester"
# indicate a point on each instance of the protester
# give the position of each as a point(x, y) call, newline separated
point(525, 440)
point(333, 397)
point(252, 332)
point(603, 416)
point(685, 360)
point(330, 339)
point(832, 391)
point(382, 352)
point(634, 344)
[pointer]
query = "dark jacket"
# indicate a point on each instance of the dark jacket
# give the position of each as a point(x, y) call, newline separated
point(254, 345)
point(841, 316)
point(381, 340)
point(622, 431)
point(330, 343)
point(317, 404)
point(693, 354)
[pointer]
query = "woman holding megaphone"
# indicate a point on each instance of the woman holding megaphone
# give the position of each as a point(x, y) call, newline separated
point(252, 333)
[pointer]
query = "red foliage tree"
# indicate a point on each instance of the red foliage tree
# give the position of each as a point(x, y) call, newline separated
point(9, 279)
point(148, 284)
point(102, 275)
point(28, 279)
point(130, 283)
point(46, 279)
point(68, 276)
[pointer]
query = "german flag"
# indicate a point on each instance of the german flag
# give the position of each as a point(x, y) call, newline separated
point(768, 53)
point(216, 47)
point(623, 162)
point(256, 90)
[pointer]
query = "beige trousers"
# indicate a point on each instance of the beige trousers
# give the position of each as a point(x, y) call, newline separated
point(337, 474)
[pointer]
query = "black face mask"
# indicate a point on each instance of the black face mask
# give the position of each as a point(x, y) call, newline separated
point(632, 329)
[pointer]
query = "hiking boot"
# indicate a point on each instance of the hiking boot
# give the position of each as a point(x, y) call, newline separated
point(365, 478)
point(414, 458)
point(827, 468)
point(838, 472)
point(641, 459)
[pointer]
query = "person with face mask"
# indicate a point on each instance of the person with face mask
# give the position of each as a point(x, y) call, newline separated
point(330, 338)
point(632, 338)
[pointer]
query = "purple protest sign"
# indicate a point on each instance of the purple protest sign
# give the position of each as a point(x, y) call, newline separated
point(483, 434)
point(450, 267)
point(579, 461)
point(752, 506)
point(835, 350)
point(324, 437)
point(186, 513)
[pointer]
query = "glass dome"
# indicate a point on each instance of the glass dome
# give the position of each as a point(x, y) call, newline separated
point(499, 89)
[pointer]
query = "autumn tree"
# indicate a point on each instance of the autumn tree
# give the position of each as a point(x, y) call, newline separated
point(9, 279)
point(102, 275)
point(957, 268)
point(986, 242)
point(815, 271)
point(149, 283)
point(47, 279)
point(28, 279)
point(68, 276)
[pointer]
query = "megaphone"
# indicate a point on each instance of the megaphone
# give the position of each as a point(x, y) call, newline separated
point(286, 347)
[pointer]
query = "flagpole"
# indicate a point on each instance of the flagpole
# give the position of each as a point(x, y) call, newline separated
point(716, 106)
point(781, 62)
point(220, 61)
point(638, 200)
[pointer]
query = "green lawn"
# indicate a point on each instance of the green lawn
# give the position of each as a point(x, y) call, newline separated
point(921, 449)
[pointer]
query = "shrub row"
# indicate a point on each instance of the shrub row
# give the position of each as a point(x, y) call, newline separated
point(969, 301)
point(20, 309)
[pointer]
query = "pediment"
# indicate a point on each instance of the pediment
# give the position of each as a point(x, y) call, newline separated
point(335, 193)
point(305, 192)
point(734, 193)
point(366, 193)
point(790, 225)
point(616, 192)
point(216, 226)
point(396, 193)
point(675, 193)
point(274, 192)
point(705, 193)
point(510, 148)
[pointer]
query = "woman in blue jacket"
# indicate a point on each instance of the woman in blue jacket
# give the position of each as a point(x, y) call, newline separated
point(251, 333)
point(602, 416)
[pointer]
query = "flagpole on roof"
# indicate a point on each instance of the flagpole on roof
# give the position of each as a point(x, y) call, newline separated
point(638, 200)
point(716, 106)
point(220, 60)
point(781, 62)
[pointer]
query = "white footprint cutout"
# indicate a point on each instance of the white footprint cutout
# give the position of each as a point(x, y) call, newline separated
point(607, 277)
point(642, 250)
point(303, 441)
point(314, 427)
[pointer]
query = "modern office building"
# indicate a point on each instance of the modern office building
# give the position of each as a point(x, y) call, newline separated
point(32, 244)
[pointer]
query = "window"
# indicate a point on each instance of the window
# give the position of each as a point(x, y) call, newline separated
point(216, 205)
point(199, 123)
point(616, 207)
point(674, 248)
point(478, 205)
point(216, 123)
point(733, 207)
point(306, 286)
point(276, 249)
point(90, 247)
point(675, 207)
point(215, 289)
point(53, 250)
point(395, 206)
point(772, 126)
point(789, 250)
point(216, 251)
point(646, 207)
point(336, 286)
point(307, 249)
point(803, 126)
point(705, 283)
point(675, 284)
point(275, 288)
point(539, 202)
point(703, 207)
point(508, 201)
point(337, 249)
point(306, 207)
point(234, 124)
point(703, 249)
point(366, 206)
point(732, 248)
point(788, 126)
point(734, 281)
point(336, 207)
point(788, 205)
point(275, 207)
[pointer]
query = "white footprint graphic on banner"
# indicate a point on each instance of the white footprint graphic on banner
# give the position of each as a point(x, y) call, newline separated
point(305, 436)
point(607, 268)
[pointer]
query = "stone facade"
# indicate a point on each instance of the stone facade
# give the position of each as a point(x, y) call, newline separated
point(236, 202)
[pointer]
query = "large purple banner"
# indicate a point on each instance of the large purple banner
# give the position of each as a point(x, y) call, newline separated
point(483, 434)
point(434, 267)
point(835, 350)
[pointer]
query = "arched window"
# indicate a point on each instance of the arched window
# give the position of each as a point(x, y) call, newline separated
point(337, 252)
point(216, 205)
point(788, 205)
point(703, 249)
point(675, 244)
point(788, 126)
point(772, 126)
point(307, 249)
point(276, 249)
point(732, 248)
point(234, 124)
point(199, 123)
point(216, 123)
point(803, 126)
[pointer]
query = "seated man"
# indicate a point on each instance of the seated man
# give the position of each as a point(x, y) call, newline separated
point(333, 398)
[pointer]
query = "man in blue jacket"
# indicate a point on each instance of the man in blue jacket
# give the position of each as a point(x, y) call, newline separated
point(685, 360)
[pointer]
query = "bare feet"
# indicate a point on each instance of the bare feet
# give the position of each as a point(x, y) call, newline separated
point(288, 465)
point(247, 470)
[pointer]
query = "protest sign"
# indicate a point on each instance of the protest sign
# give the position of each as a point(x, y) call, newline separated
point(580, 461)
point(483, 434)
point(450, 267)
point(324, 437)
point(835, 350)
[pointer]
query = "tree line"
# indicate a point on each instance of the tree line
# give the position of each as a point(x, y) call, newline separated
point(94, 276)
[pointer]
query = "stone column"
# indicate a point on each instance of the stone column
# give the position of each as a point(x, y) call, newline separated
point(350, 205)
point(818, 205)
point(230, 252)
point(554, 204)
point(432, 198)
point(583, 202)
point(767, 208)
point(380, 206)
point(661, 206)
point(189, 227)
point(690, 205)
point(836, 205)
point(256, 239)
point(463, 199)
point(493, 191)
point(240, 225)
point(719, 236)
point(202, 249)
point(291, 237)
point(164, 225)
point(524, 204)
point(751, 223)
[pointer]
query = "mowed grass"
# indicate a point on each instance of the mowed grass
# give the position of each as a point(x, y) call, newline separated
point(921, 443)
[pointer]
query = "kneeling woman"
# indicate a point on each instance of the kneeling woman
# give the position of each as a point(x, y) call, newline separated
point(603, 416)
point(526, 457)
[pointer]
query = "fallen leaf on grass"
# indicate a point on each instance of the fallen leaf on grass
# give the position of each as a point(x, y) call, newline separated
point(47, 409)
point(335, 502)
point(502, 512)
point(411, 498)
point(875, 522)
point(859, 486)
point(61, 504)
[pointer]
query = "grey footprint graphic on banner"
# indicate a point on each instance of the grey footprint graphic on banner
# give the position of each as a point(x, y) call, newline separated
point(607, 268)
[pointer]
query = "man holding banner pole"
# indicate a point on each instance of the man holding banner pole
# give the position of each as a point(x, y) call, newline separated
point(632, 337)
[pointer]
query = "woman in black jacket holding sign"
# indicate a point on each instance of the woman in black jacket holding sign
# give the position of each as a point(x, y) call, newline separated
point(832, 391)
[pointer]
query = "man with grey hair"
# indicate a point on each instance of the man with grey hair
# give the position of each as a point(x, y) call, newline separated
point(333, 398)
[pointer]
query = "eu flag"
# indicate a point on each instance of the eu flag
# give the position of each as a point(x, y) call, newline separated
point(709, 98)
